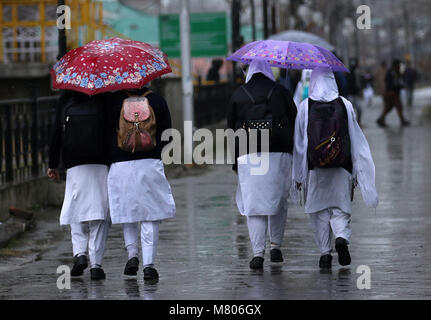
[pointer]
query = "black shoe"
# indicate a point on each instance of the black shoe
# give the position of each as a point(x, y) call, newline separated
point(343, 251)
point(132, 267)
point(97, 274)
point(325, 261)
point(256, 263)
point(276, 255)
point(79, 265)
point(381, 123)
point(150, 274)
point(405, 123)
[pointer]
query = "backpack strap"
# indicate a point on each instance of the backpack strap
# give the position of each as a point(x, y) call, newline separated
point(144, 95)
point(147, 93)
point(268, 97)
point(248, 94)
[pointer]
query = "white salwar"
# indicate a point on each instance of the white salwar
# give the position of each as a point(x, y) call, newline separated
point(149, 240)
point(85, 209)
point(140, 196)
point(327, 222)
point(329, 190)
point(91, 235)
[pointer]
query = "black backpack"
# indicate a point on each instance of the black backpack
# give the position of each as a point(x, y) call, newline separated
point(328, 135)
point(259, 116)
point(83, 130)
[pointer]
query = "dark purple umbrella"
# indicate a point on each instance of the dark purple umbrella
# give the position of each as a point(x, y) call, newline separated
point(288, 55)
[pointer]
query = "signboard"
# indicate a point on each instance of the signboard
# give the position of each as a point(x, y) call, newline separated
point(208, 34)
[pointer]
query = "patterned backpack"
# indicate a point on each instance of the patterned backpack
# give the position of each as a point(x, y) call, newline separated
point(137, 125)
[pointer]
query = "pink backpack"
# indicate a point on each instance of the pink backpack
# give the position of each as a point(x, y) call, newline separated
point(137, 126)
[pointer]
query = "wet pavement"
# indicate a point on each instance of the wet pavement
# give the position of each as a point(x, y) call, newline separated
point(204, 252)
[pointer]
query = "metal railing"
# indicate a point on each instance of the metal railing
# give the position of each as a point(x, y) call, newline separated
point(25, 126)
point(211, 103)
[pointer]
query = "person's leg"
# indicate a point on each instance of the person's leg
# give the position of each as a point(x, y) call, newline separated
point(257, 229)
point(99, 230)
point(276, 227)
point(387, 107)
point(322, 230)
point(131, 239)
point(322, 235)
point(149, 241)
point(79, 234)
point(399, 107)
point(340, 225)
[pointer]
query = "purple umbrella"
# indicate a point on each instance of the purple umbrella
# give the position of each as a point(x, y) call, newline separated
point(289, 55)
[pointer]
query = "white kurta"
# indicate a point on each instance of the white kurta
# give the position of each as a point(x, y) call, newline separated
point(86, 195)
point(139, 191)
point(264, 194)
point(328, 188)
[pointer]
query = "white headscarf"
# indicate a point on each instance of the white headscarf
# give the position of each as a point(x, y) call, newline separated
point(261, 66)
point(324, 88)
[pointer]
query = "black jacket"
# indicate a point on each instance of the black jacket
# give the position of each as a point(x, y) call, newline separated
point(163, 120)
point(393, 81)
point(283, 109)
point(56, 145)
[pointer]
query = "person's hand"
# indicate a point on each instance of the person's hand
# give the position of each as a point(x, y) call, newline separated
point(298, 185)
point(53, 174)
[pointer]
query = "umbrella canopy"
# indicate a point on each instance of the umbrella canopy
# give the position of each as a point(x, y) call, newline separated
point(302, 36)
point(109, 65)
point(289, 55)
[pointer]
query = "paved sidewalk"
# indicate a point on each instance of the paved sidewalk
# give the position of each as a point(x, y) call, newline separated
point(204, 252)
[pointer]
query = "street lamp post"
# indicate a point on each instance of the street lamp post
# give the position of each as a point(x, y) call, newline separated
point(186, 79)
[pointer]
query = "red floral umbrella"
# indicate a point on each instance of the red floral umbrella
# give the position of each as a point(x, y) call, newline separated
point(109, 65)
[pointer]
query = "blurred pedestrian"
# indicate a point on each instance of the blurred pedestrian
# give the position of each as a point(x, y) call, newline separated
point(80, 136)
point(410, 76)
point(263, 103)
point(393, 85)
point(214, 71)
point(301, 91)
point(328, 170)
point(379, 78)
point(140, 196)
point(353, 87)
point(367, 89)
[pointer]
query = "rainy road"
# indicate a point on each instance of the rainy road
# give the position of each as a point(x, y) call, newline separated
point(204, 252)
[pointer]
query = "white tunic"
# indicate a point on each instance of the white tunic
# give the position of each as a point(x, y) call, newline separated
point(86, 195)
point(264, 194)
point(328, 188)
point(139, 191)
